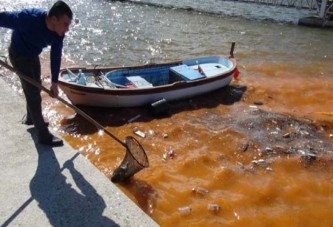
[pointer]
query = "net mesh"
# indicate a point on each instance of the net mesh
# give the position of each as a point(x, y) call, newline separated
point(135, 160)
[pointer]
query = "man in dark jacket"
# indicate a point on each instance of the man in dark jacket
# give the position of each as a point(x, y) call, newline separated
point(33, 30)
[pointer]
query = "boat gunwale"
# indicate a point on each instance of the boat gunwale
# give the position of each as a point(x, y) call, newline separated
point(148, 90)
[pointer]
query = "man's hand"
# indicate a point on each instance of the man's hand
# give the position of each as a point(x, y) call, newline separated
point(54, 91)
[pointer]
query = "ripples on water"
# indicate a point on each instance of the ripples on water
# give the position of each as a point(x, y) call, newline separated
point(281, 64)
point(114, 33)
point(233, 9)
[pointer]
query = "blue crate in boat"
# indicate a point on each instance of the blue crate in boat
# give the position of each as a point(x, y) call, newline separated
point(186, 72)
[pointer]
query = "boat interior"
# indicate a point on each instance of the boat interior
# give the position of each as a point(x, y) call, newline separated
point(151, 75)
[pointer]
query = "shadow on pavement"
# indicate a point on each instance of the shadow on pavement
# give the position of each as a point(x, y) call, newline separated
point(63, 204)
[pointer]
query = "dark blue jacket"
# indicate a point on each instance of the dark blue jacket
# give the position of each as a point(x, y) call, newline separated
point(30, 35)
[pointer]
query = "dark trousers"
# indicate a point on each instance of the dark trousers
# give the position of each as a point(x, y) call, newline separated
point(30, 67)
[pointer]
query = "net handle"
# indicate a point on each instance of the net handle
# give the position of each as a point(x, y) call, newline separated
point(79, 111)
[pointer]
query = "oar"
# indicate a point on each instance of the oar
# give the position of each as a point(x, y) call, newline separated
point(79, 111)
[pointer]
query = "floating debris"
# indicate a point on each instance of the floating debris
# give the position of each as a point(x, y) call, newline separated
point(160, 108)
point(171, 154)
point(200, 191)
point(269, 169)
point(287, 135)
point(185, 210)
point(308, 157)
point(258, 103)
point(100, 132)
point(213, 207)
point(236, 215)
point(304, 133)
point(165, 135)
point(137, 131)
point(269, 150)
point(241, 165)
point(165, 156)
point(244, 147)
point(134, 118)
point(97, 151)
point(259, 162)
point(253, 107)
point(151, 132)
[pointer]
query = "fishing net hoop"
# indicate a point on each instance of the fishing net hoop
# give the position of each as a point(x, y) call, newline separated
point(135, 149)
point(134, 161)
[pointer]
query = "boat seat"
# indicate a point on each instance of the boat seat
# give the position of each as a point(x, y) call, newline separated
point(139, 81)
point(186, 72)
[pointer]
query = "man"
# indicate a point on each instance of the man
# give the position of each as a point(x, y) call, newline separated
point(33, 30)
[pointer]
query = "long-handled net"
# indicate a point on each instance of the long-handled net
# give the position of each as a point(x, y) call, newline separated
point(134, 161)
point(135, 157)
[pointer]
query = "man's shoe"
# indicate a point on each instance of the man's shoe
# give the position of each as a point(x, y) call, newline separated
point(51, 140)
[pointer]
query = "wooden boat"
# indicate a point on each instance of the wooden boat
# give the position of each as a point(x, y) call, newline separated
point(144, 85)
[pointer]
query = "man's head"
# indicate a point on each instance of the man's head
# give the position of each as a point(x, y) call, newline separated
point(59, 18)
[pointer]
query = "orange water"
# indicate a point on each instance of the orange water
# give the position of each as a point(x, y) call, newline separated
point(208, 149)
point(207, 153)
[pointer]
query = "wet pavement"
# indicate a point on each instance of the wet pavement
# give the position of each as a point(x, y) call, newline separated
point(45, 186)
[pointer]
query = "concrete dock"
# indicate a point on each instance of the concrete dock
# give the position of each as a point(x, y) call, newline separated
point(45, 186)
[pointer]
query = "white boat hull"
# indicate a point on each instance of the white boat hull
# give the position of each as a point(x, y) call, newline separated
point(144, 85)
point(109, 100)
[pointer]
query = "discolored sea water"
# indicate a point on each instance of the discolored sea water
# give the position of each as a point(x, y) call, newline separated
point(250, 162)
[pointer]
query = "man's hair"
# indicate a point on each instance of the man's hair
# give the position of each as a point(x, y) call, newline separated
point(59, 9)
